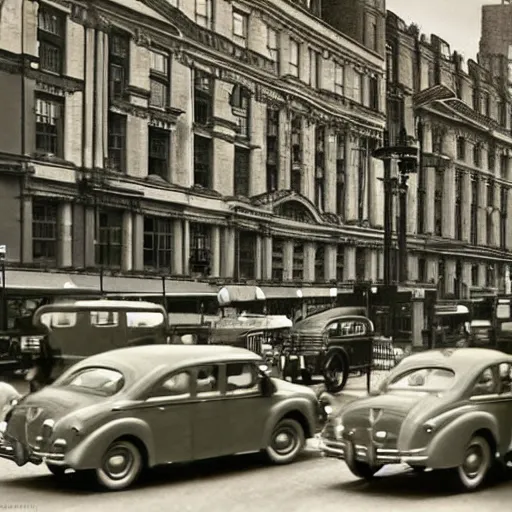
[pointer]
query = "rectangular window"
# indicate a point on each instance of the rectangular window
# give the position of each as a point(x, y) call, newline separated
point(157, 243)
point(50, 126)
point(422, 270)
point(298, 262)
point(340, 174)
point(242, 171)
point(340, 263)
point(474, 210)
point(373, 85)
point(158, 156)
point(294, 57)
point(477, 155)
point(119, 64)
point(461, 148)
point(51, 36)
point(296, 160)
point(159, 80)
point(203, 97)
point(503, 217)
point(273, 44)
point(490, 207)
point(437, 140)
point(272, 148)
point(204, 16)
point(240, 28)
point(44, 232)
point(319, 167)
point(438, 203)
point(319, 263)
point(474, 275)
point(240, 103)
point(202, 161)
point(109, 238)
point(277, 259)
point(200, 244)
point(360, 264)
point(116, 142)
point(312, 68)
point(371, 32)
point(503, 166)
point(339, 79)
point(458, 206)
point(358, 87)
point(390, 61)
point(247, 254)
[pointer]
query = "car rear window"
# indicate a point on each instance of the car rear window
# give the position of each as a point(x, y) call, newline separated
point(423, 379)
point(99, 381)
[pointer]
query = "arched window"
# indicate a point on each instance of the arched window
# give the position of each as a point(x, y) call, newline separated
point(240, 102)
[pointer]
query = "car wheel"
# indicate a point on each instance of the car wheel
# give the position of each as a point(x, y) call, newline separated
point(476, 464)
point(336, 373)
point(286, 442)
point(121, 466)
point(58, 471)
point(362, 469)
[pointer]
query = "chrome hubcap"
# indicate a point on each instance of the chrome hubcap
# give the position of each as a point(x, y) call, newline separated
point(118, 463)
point(284, 442)
point(473, 461)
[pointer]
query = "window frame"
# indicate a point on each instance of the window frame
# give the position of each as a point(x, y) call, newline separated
point(118, 62)
point(113, 246)
point(273, 51)
point(339, 87)
point(52, 40)
point(294, 67)
point(162, 162)
point(161, 78)
point(49, 221)
point(202, 161)
point(240, 19)
point(203, 97)
point(204, 19)
point(117, 162)
point(55, 141)
point(249, 392)
point(160, 235)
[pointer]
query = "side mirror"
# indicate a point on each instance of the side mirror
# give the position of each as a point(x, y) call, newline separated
point(267, 386)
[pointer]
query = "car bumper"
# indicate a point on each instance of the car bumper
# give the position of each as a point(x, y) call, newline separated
point(12, 449)
point(342, 449)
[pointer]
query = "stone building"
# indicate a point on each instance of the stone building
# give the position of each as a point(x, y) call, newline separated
point(460, 203)
point(221, 140)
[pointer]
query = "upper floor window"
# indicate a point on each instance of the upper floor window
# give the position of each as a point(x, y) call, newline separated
point(109, 238)
point(119, 64)
point(116, 141)
point(461, 148)
point(294, 57)
point(203, 97)
point(390, 64)
point(373, 90)
point(358, 87)
point(51, 35)
point(371, 31)
point(50, 126)
point(240, 28)
point(44, 231)
point(339, 79)
point(158, 155)
point(273, 44)
point(314, 68)
point(159, 80)
point(204, 13)
point(477, 155)
point(240, 102)
point(157, 242)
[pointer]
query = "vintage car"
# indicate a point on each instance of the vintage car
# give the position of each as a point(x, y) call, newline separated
point(442, 409)
point(116, 413)
point(331, 343)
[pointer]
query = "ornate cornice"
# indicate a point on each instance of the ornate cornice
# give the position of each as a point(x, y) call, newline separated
point(170, 115)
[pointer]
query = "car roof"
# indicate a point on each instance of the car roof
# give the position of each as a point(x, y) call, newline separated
point(142, 360)
point(319, 321)
point(459, 360)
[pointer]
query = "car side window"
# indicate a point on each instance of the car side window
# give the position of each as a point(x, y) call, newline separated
point(486, 384)
point(505, 372)
point(241, 379)
point(176, 385)
point(207, 381)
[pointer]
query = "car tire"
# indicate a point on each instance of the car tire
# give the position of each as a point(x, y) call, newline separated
point(477, 463)
point(116, 479)
point(57, 471)
point(336, 373)
point(362, 469)
point(286, 442)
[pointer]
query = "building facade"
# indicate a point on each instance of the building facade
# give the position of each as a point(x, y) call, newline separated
point(459, 202)
point(220, 140)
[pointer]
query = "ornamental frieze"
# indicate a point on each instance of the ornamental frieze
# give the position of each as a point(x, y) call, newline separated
point(52, 84)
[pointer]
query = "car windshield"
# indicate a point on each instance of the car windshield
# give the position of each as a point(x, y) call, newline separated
point(100, 381)
point(424, 379)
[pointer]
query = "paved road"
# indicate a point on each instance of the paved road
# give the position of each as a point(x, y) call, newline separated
point(245, 484)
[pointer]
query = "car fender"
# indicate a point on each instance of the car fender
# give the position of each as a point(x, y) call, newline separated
point(279, 410)
point(447, 447)
point(89, 452)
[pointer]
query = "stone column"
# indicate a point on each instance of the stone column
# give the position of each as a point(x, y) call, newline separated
point(412, 268)
point(309, 262)
point(349, 269)
point(99, 118)
point(466, 278)
point(482, 274)
point(227, 262)
point(466, 207)
point(284, 152)
point(371, 265)
point(380, 263)
point(90, 236)
point(351, 179)
point(330, 171)
point(482, 212)
point(432, 269)
point(215, 247)
point(138, 242)
point(88, 117)
point(288, 260)
point(429, 177)
point(496, 216)
point(186, 247)
point(308, 159)
point(330, 254)
point(258, 170)
point(65, 218)
point(267, 258)
point(449, 276)
point(127, 246)
point(258, 263)
point(448, 205)
point(177, 242)
point(26, 232)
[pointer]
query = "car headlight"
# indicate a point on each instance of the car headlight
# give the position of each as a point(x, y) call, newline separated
point(3, 427)
point(338, 428)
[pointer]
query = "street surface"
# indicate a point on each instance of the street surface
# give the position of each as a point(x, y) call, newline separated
point(247, 483)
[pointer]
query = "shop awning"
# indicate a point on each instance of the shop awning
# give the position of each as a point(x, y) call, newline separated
point(281, 292)
point(456, 309)
point(236, 293)
point(32, 280)
point(319, 292)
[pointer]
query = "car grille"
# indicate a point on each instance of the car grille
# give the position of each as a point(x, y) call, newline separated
point(308, 344)
point(254, 345)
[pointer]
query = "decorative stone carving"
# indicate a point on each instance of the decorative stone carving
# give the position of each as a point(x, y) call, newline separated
point(142, 38)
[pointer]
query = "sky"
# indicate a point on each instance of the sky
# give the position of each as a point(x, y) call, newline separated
point(455, 21)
